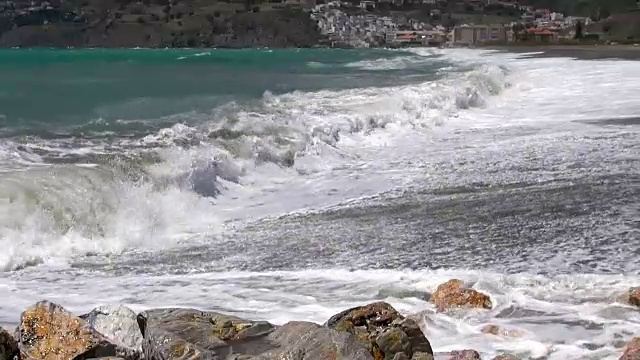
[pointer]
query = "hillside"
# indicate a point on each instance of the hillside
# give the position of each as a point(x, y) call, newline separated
point(590, 8)
point(156, 23)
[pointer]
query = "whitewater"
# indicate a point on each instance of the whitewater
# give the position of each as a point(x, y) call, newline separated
point(516, 174)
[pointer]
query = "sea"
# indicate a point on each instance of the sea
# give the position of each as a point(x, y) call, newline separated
point(292, 184)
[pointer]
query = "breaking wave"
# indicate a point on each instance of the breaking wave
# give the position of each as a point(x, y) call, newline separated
point(67, 196)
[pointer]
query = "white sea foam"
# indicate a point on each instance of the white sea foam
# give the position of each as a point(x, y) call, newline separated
point(346, 145)
point(67, 210)
point(558, 317)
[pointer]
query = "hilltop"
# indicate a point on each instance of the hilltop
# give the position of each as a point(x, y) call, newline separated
point(154, 23)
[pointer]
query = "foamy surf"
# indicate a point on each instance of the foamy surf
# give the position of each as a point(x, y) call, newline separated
point(307, 132)
point(559, 317)
point(514, 175)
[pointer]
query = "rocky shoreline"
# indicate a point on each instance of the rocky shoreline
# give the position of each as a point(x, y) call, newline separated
point(374, 331)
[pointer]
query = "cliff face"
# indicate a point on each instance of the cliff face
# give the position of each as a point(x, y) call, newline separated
point(197, 23)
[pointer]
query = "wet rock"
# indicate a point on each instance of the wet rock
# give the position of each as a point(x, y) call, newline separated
point(8, 346)
point(308, 341)
point(194, 334)
point(382, 330)
point(117, 323)
point(49, 332)
point(498, 331)
point(634, 296)
point(453, 294)
point(506, 357)
point(631, 297)
point(393, 341)
point(464, 355)
point(632, 351)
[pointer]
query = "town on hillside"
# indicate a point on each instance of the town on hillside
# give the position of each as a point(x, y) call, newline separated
point(388, 23)
point(323, 23)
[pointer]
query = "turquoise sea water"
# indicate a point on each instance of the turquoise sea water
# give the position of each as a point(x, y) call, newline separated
point(293, 184)
point(56, 89)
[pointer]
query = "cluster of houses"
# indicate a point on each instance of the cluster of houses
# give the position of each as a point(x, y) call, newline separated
point(367, 30)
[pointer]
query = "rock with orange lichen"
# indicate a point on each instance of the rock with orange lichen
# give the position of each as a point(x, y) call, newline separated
point(453, 294)
point(632, 351)
point(383, 331)
point(8, 346)
point(49, 332)
point(464, 355)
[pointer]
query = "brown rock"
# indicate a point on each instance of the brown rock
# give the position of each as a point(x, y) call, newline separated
point(49, 332)
point(383, 331)
point(8, 346)
point(632, 351)
point(634, 296)
point(464, 355)
point(498, 331)
point(506, 357)
point(453, 294)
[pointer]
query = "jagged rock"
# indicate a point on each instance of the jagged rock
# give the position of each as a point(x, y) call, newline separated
point(498, 331)
point(193, 334)
point(453, 294)
point(49, 332)
point(632, 351)
point(631, 297)
point(634, 296)
point(308, 341)
point(506, 357)
point(464, 355)
point(117, 323)
point(382, 330)
point(8, 346)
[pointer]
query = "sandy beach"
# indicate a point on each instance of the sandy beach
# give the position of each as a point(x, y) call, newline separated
point(585, 52)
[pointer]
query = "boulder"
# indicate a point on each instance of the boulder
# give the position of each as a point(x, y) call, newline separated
point(634, 296)
point(632, 351)
point(453, 294)
point(464, 355)
point(308, 341)
point(8, 346)
point(49, 332)
point(383, 331)
point(631, 297)
point(117, 323)
point(194, 334)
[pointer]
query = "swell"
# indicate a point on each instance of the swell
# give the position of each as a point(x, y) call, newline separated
point(161, 190)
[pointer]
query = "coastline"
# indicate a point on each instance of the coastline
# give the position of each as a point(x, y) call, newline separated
point(581, 52)
point(369, 331)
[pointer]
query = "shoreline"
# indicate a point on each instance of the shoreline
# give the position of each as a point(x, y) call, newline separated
point(367, 331)
point(580, 52)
